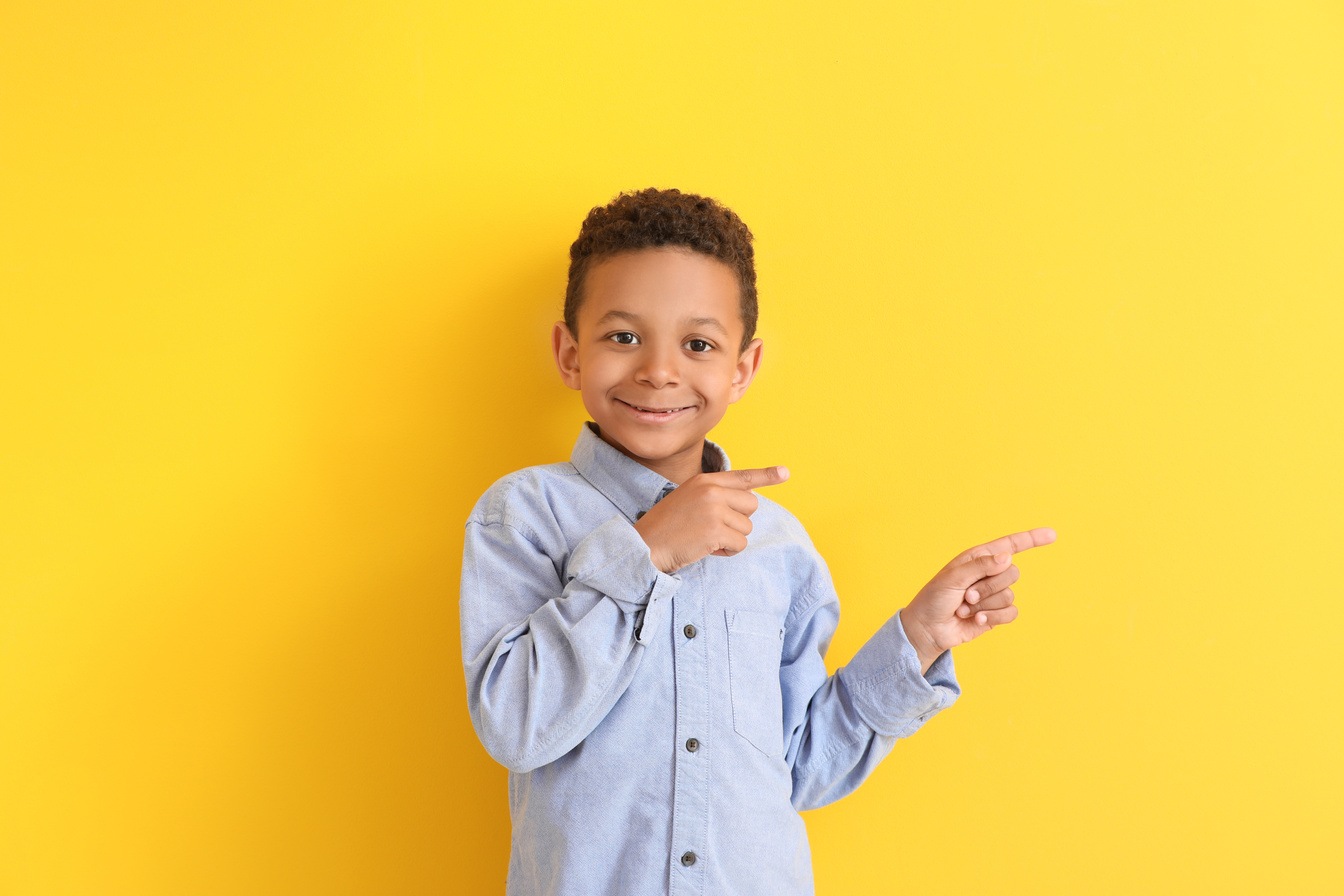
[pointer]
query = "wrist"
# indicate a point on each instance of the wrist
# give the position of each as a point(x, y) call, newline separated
point(657, 557)
point(926, 648)
point(663, 564)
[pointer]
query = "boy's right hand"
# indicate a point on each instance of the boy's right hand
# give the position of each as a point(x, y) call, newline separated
point(710, 513)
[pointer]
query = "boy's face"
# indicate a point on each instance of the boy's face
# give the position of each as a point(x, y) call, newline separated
point(657, 354)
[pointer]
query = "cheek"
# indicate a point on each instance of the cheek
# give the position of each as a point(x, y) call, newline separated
point(599, 372)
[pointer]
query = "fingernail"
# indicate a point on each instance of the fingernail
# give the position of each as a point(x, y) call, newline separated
point(972, 596)
point(1003, 558)
point(963, 611)
point(782, 472)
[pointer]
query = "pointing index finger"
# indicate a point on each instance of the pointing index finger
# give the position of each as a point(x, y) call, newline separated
point(1013, 544)
point(750, 479)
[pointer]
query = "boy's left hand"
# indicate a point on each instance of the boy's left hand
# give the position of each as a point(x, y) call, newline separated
point(968, 596)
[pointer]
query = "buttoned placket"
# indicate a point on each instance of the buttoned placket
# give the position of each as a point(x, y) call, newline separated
point(690, 797)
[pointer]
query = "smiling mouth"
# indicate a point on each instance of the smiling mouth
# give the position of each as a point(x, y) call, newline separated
point(645, 410)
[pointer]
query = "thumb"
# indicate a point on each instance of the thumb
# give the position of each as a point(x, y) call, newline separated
point(964, 575)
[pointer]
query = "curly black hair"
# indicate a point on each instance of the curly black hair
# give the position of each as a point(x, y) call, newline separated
point(652, 218)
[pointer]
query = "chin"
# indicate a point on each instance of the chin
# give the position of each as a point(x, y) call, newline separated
point(649, 450)
point(658, 452)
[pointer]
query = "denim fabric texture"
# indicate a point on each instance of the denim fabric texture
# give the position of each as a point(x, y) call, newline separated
point(662, 732)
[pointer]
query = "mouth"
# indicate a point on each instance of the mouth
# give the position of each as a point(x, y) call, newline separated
point(662, 412)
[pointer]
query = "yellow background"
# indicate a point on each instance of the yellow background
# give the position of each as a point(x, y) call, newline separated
point(276, 283)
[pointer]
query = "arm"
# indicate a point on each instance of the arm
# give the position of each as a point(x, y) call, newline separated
point(546, 659)
point(899, 679)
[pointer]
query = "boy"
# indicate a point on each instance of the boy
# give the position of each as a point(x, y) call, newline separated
point(644, 637)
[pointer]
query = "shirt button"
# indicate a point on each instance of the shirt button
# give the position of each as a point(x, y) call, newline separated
point(688, 859)
point(692, 745)
point(689, 631)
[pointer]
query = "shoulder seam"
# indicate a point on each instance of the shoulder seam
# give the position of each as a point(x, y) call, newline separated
point(528, 535)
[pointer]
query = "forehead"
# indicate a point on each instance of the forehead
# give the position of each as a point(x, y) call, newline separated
point(667, 285)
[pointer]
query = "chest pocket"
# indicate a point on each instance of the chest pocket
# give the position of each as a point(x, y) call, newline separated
point(755, 642)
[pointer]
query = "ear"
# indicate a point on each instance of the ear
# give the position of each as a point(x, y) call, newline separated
point(747, 364)
point(566, 352)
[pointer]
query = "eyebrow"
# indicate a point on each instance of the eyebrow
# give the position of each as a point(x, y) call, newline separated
point(617, 315)
point(710, 323)
point(629, 317)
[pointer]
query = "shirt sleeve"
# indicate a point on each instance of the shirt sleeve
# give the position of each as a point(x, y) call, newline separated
point(839, 727)
point(547, 653)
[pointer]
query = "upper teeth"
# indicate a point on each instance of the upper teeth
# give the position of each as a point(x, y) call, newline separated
point(653, 411)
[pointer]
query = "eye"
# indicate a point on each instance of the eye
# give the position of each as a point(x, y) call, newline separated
point(699, 345)
point(624, 338)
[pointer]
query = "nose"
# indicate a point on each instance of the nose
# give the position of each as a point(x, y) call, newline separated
point(658, 367)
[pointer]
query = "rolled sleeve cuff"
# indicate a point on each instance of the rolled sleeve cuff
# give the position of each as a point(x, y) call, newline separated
point(615, 561)
point(887, 688)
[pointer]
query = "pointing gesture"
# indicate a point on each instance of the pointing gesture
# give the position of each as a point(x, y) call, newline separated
point(710, 513)
point(968, 596)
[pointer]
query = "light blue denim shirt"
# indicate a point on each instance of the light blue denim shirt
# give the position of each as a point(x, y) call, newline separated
point(662, 731)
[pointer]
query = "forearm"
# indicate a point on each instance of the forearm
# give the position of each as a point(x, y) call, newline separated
point(835, 751)
point(856, 716)
point(536, 689)
point(546, 660)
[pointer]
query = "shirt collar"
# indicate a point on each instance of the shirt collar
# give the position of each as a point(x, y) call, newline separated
point(627, 483)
